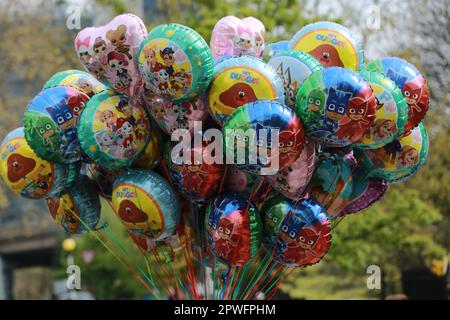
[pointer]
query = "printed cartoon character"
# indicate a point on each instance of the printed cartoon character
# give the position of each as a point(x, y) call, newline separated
point(356, 118)
point(85, 86)
point(386, 154)
point(82, 47)
point(109, 119)
point(384, 128)
point(238, 95)
point(303, 245)
point(335, 107)
point(76, 104)
point(316, 102)
point(167, 54)
point(244, 40)
point(290, 228)
point(150, 59)
point(413, 94)
point(162, 77)
point(288, 142)
point(130, 213)
point(48, 132)
point(98, 70)
point(124, 128)
point(100, 50)
point(409, 157)
point(118, 63)
point(62, 115)
point(226, 239)
point(118, 39)
point(259, 43)
point(141, 129)
point(290, 88)
point(273, 220)
point(327, 55)
point(127, 146)
point(127, 110)
point(104, 139)
point(158, 111)
point(19, 166)
point(180, 80)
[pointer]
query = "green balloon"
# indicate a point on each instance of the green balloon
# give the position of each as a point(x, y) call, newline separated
point(175, 61)
point(77, 79)
point(391, 115)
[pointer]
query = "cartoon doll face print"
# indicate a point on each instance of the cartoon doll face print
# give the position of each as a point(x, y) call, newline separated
point(104, 138)
point(62, 115)
point(162, 76)
point(327, 55)
point(307, 238)
point(357, 109)
point(46, 129)
point(287, 141)
point(385, 128)
point(167, 54)
point(225, 229)
point(117, 61)
point(245, 38)
point(409, 157)
point(412, 92)
point(76, 104)
point(118, 36)
point(336, 104)
point(19, 166)
point(86, 87)
point(238, 95)
point(99, 47)
point(316, 100)
point(130, 213)
point(124, 127)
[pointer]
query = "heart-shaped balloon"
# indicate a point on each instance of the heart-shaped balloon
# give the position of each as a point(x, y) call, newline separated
point(109, 52)
point(239, 37)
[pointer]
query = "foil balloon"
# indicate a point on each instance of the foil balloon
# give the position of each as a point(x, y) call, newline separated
point(331, 44)
point(411, 82)
point(292, 181)
point(175, 62)
point(113, 132)
point(172, 116)
point(266, 135)
point(391, 114)
point(110, 52)
point(77, 209)
point(238, 81)
point(239, 37)
point(296, 234)
point(146, 204)
point(197, 176)
point(220, 59)
point(337, 107)
point(50, 124)
point(366, 191)
point(27, 174)
point(332, 184)
point(104, 178)
point(293, 67)
point(240, 181)
point(233, 229)
point(80, 80)
point(399, 159)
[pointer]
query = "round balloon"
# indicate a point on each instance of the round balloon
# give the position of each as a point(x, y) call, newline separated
point(238, 81)
point(27, 174)
point(110, 52)
point(82, 81)
point(104, 178)
point(172, 116)
point(297, 234)
point(146, 204)
point(240, 37)
point(366, 191)
point(332, 184)
point(50, 124)
point(253, 130)
point(196, 176)
point(399, 159)
point(293, 67)
point(233, 229)
point(412, 84)
point(292, 181)
point(337, 107)
point(175, 62)
point(220, 59)
point(331, 44)
point(113, 132)
point(391, 114)
point(77, 209)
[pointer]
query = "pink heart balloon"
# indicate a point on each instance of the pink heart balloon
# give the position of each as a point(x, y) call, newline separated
point(109, 52)
point(233, 36)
